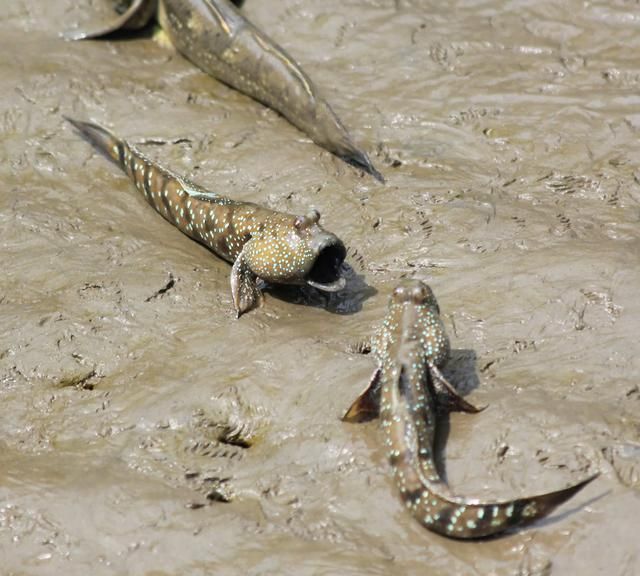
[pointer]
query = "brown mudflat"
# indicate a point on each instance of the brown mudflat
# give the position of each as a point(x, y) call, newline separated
point(509, 136)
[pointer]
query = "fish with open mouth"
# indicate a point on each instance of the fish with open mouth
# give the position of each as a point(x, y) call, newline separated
point(261, 244)
point(406, 391)
point(219, 40)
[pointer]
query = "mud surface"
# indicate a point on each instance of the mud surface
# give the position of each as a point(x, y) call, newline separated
point(133, 403)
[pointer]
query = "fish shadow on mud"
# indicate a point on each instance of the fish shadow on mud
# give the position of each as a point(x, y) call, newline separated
point(558, 517)
point(460, 371)
point(346, 301)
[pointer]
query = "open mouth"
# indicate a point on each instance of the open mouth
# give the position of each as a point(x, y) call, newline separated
point(325, 273)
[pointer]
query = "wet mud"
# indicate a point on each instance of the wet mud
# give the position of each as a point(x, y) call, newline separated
point(145, 430)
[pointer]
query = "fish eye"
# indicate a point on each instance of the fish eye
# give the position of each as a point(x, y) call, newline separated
point(399, 292)
point(313, 216)
point(308, 219)
point(420, 293)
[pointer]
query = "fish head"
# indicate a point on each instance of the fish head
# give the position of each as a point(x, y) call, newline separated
point(414, 311)
point(414, 292)
point(298, 250)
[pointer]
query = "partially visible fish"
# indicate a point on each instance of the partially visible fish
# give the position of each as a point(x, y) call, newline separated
point(409, 347)
point(218, 39)
point(260, 243)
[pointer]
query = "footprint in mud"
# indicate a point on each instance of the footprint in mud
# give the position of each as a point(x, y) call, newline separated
point(388, 158)
point(625, 459)
point(425, 224)
point(563, 226)
point(357, 258)
point(445, 56)
point(204, 453)
point(572, 184)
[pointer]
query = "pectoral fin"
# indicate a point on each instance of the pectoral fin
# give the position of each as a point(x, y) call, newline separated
point(448, 396)
point(244, 288)
point(137, 16)
point(366, 406)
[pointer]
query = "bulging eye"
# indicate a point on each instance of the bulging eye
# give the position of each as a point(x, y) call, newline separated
point(310, 218)
point(399, 292)
point(421, 293)
point(313, 216)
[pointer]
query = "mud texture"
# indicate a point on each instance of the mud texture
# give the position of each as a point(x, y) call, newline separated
point(146, 431)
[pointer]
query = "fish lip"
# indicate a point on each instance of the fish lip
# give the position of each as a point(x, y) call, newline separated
point(335, 286)
point(325, 273)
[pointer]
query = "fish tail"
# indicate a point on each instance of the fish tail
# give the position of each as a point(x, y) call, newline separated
point(408, 418)
point(146, 175)
point(137, 16)
point(173, 197)
point(432, 504)
point(103, 140)
point(469, 519)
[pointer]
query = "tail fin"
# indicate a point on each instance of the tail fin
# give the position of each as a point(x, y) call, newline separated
point(137, 16)
point(468, 519)
point(409, 420)
point(359, 159)
point(101, 139)
point(536, 507)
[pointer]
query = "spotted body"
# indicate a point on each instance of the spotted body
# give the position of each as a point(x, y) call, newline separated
point(406, 392)
point(216, 37)
point(260, 243)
